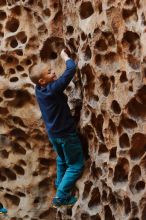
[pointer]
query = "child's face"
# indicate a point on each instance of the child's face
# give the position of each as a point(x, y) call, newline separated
point(47, 77)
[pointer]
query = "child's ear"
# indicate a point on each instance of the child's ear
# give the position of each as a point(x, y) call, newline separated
point(41, 81)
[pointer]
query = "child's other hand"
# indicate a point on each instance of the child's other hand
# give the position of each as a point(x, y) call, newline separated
point(64, 55)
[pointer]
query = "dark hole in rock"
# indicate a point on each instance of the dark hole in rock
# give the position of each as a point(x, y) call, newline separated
point(49, 49)
point(84, 142)
point(141, 94)
point(98, 124)
point(70, 29)
point(136, 109)
point(19, 52)
point(12, 71)
point(112, 126)
point(27, 62)
point(134, 177)
point(83, 36)
point(1, 34)
point(104, 196)
point(123, 77)
point(85, 216)
point(129, 3)
point(21, 98)
point(21, 36)
point(3, 15)
point(109, 36)
point(88, 53)
point(12, 60)
point(127, 205)
point(18, 121)
point(86, 10)
point(24, 75)
point(48, 214)
point(3, 111)
point(110, 57)
point(105, 85)
point(14, 79)
point(127, 122)
point(95, 217)
point(47, 12)
point(98, 59)
point(3, 2)
point(35, 173)
point(134, 62)
point(69, 212)
point(36, 200)
point(112, 199)
point(88, 184)
point(126, 13)
point(45, 161)
point(17, 132)
point(18, 149)
point(143, 213)
point(72, 44)
point(12, 25)
point(88, 75)
point(140, 185)
point(102, 149)
point(112, 78)
point(96, 171)
point(121, 170)
point(1, 71)
point(113, 153)
point(100, 7)
point(19, 170)
point(10, 174)
point(45, 183)
point(108, 213)
point(143, 19)
point(2, 178)
point(16, 10)
point(138, 145)
point(101, 45)
point(22, 162)
point(124, 141)
point(14, 199)
point(4, 154)
point(134, 218)
point(115, 107)
point(95, 198)
point(134, 208)
point(21, 194)
point(13, 43)
point(20, 68)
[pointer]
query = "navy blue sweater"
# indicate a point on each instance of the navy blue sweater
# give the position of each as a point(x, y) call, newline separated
point(53, 103)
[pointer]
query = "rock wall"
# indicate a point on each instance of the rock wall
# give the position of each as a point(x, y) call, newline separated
point(107, 98)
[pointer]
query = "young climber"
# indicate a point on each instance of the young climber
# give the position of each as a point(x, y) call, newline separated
point(60, 126)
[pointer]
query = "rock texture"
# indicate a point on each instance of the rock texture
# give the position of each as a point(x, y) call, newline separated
point(107, 97)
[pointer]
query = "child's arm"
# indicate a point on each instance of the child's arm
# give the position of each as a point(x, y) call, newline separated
point(60, 84)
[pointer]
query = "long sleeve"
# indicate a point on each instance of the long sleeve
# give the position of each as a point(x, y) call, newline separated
point(62, 82)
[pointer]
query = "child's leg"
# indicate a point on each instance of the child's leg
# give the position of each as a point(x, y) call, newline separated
point(73, 154)
point(60, 160)
point(61, 168)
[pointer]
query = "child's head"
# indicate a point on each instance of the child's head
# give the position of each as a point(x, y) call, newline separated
point(41, 74)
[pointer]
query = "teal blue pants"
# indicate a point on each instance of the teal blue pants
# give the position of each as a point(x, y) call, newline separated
point(70, 163)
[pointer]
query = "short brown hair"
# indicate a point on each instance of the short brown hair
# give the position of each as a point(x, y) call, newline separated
point(35, 71)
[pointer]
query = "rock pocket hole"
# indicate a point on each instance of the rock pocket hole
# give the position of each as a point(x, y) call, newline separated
point(12, 25)
point(86, 10)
